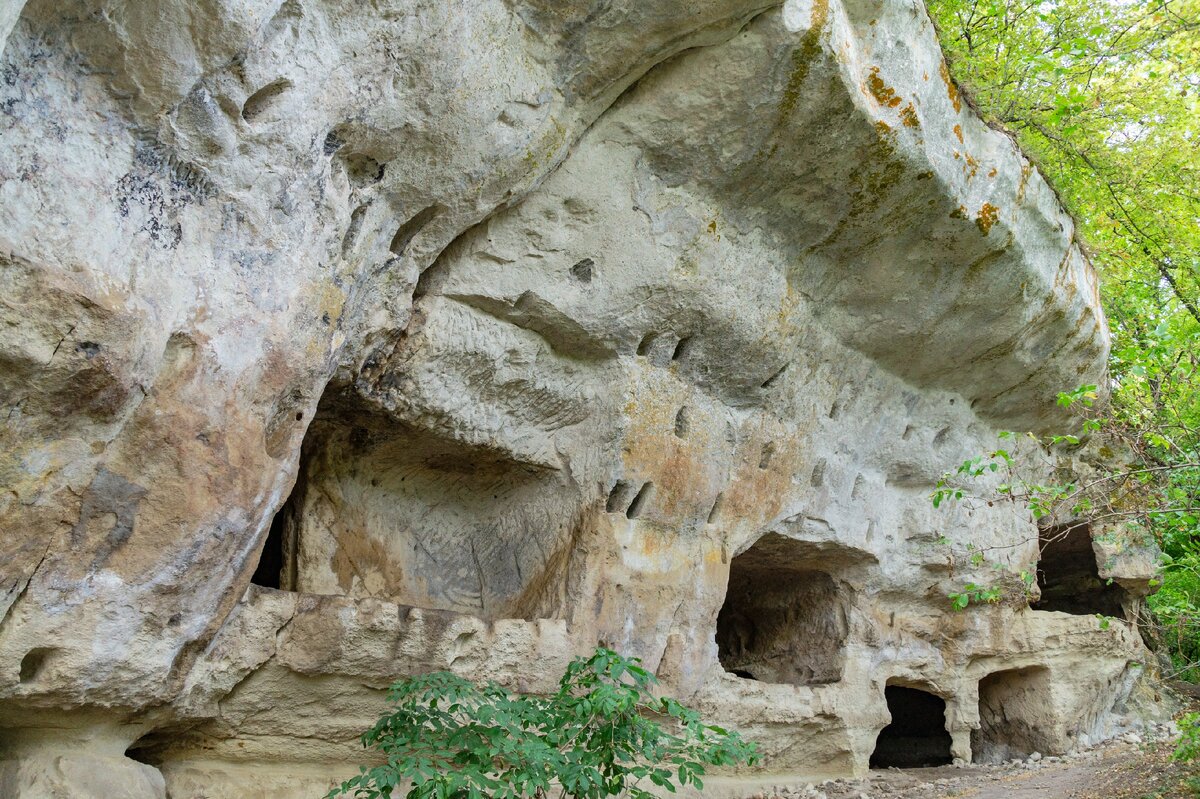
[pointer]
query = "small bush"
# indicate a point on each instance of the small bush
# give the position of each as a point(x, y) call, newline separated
point(598, 735)
point(1176, 608)
point(1188, 747)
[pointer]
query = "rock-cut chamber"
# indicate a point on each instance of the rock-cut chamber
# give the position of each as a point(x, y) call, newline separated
point(1069, 577)
point(916, 736)
point(784, 619)
point(1015, 715)
point(385, 510)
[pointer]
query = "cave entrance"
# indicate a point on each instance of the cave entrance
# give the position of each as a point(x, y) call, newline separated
point(916, 736)
point(277, 562)
point(1015, 715)
point(386, 510)
point(1068, 575)
point(784, 620)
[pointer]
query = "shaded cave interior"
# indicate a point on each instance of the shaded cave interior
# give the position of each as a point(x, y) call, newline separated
point(1015, 715)
point(785, 617)
point(381, 509)
point(916, 737)
point(276, 564)
point(1069, 577)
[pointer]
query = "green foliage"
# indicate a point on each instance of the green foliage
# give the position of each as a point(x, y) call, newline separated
point(1084, 395)
point(947, 488)
point(1040, 499)
point(1188, 748)
point(1177, 608)
point(1104, 98)
point(598, 735)
point(974, 593)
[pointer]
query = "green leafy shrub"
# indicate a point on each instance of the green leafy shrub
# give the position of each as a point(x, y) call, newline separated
point(598, 735)
point(1176, 609)
point(973, 593)
point(1188, 747)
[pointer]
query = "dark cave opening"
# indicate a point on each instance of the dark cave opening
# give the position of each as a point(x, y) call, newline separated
point(916, 736)
point(34, 663)
point(277, 561)
point(150, 748)
point(1068, 575)
point(783, 620)
point(272, 562)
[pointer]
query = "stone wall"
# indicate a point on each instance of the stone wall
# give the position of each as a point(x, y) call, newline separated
point(478, 333)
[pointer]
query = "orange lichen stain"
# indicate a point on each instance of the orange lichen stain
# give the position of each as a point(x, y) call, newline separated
point(992, 172)
point(882, 128)
point(652, 544)
point(924, 76)
point(1026, 171)
point(951, 89)
point(959, 213)
point(958, 133)
point(655, 453)
point(758, 494)
point(883, 93)
point(908, 116)
point(957, 155)
point(802, 58)
point(988, 214)
point(972, 167)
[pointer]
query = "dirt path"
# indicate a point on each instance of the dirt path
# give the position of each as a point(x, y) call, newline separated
point(1119, 770)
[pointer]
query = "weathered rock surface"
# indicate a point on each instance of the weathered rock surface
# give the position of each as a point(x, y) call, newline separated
point(482, 332)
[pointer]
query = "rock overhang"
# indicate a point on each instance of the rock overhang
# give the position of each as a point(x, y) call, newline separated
point(620, 291)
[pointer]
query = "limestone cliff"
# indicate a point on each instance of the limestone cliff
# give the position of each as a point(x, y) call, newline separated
point(476, 333)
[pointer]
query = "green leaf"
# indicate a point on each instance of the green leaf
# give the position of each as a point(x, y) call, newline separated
point(453, 739)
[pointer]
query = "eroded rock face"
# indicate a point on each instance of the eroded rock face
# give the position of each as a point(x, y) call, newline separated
point(478, 333)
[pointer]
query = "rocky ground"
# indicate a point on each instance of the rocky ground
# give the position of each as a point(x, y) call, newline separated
point(1128, 768)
